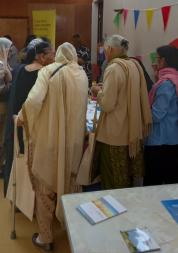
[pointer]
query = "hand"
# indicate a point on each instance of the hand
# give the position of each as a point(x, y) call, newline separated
point(80, 61)
point(19, 122)
point(95, 90)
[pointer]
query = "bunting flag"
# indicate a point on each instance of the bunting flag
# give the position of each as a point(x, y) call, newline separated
point(117, 20)
point(153, 57)
point(139, 57)
point(136, 17)
point(125, 13)
point(149, 17)
point(165, 13)
point(165, 10)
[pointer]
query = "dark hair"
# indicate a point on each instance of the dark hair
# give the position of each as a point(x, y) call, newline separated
point(29, 39)
point(7, 36)
point(76, 36)
point(125, 44)
point(170, 54)
point(35, 50)
point(45, 39)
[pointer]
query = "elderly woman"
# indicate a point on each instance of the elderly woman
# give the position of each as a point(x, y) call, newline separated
point(54, 117)
point(39, 54)
point(125, 119)
point(5, 79)
point(161, 149)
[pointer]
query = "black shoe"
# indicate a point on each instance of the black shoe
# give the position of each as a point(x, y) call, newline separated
point(45, 246)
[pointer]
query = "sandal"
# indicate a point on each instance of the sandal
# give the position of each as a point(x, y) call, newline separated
point(45, 246)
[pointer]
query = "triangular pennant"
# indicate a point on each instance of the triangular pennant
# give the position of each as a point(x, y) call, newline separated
point(117, 20)
point(149, 17)
point(165, 13)
point(139, 57)
point(136, 17)
point(153, 57)
point(125, 13)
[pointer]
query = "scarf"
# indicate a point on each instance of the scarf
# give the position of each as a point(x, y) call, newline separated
point(164, 74)
point(5, 46)
point(139, 113)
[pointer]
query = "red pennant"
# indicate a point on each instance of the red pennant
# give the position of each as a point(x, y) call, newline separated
point(165, 13)
point(125, 13)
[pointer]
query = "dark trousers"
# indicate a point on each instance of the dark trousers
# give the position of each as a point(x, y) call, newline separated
point(161, 165)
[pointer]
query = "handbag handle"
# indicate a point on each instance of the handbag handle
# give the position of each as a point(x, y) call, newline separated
point(16, 141)
point(95, 119)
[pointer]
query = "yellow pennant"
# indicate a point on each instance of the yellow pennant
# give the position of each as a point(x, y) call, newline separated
point(149, 17)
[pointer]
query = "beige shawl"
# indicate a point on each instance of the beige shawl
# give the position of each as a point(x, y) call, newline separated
point(54, 117)
point(137, 101)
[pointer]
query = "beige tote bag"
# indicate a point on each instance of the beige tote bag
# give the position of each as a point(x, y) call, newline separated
point(24, 194)
point(84, 176)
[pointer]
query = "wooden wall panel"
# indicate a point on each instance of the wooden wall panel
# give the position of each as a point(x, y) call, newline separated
point(71, 19)
point(11, 26)
point(19, 8)
point(73, 16)
point(83, 19)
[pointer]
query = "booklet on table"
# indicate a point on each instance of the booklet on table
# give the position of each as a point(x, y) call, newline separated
point(139, 240)
point(172, 207)
point(101, 209)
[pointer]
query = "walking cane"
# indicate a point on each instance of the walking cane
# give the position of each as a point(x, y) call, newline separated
point(13, 231)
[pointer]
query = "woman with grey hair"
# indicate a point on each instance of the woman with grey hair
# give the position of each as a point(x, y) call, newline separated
point(125, 118)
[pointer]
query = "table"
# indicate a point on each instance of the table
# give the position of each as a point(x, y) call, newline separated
point(144, 210)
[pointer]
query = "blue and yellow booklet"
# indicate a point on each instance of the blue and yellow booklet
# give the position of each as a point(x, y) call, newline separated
point(172, 207)
point(101, 209)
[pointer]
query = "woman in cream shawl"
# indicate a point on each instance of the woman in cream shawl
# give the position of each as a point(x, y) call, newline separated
point(5, 78)
point(126, 117)
point(54, 118)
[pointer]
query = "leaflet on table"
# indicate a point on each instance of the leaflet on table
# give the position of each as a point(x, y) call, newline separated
point(101, 209)
point(172, 207)
point(139, 240)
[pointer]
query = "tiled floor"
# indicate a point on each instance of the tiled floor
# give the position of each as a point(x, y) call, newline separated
point(24, 230)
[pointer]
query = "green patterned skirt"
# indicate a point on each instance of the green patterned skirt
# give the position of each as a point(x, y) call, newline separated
point(116, 168)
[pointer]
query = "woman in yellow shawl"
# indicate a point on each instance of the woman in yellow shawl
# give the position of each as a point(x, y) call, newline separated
point(54, 118)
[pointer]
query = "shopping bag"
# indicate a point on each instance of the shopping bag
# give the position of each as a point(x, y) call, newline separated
point(84, 176)
point(84, 173)
point(20, 176)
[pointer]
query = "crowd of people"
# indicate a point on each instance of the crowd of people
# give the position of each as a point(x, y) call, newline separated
point(137, 133)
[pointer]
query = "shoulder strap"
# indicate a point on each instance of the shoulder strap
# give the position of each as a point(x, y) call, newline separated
point(56, 70)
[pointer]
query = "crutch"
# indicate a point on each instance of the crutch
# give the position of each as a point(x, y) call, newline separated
point(13, 231)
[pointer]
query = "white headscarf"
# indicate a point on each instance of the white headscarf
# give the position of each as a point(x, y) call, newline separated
point(5, 46)
point(66, 53)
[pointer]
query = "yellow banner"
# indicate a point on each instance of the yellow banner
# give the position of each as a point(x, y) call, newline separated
point(44, 24)
point(149, 17)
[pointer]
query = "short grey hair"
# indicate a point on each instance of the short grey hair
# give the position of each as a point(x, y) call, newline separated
point(117, 41)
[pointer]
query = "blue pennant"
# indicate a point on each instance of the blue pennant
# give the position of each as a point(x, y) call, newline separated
point(136, 17)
